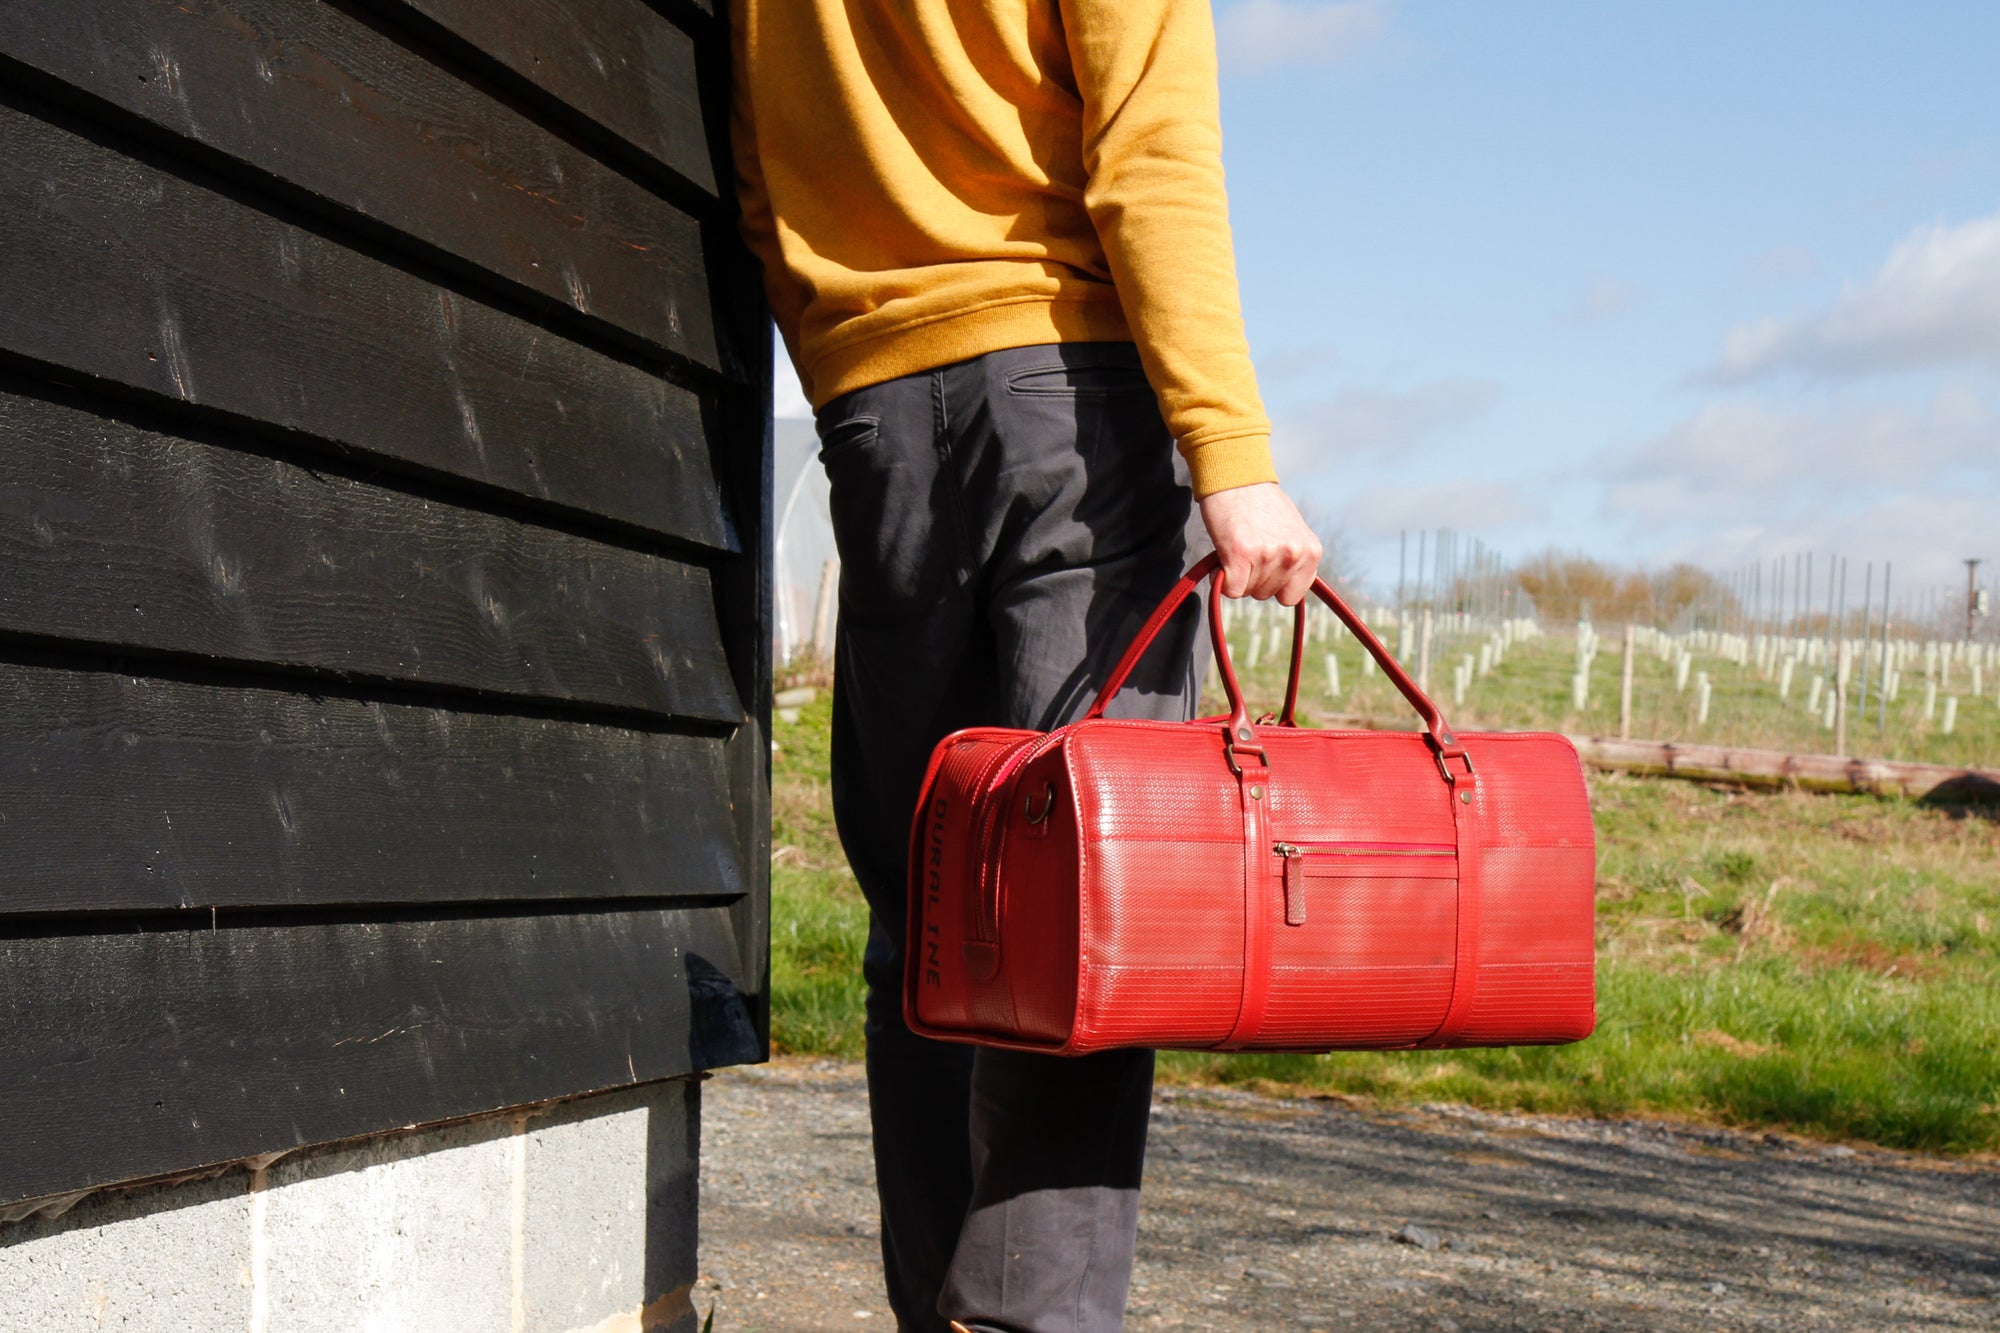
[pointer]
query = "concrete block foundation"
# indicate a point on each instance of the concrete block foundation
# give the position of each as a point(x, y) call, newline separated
point(572, 1217)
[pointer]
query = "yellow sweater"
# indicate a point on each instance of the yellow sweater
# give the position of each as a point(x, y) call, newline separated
point(929, 180)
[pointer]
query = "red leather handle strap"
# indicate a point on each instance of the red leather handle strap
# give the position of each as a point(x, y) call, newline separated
point(1434, 723)
point(1290, 717)
point(1143, 640)
point(1210, 566)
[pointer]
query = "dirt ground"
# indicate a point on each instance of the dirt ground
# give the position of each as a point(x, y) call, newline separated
point(1267, 1213)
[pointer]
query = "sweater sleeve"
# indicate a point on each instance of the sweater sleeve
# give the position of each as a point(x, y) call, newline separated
point(756, 223)
point(1152, 150)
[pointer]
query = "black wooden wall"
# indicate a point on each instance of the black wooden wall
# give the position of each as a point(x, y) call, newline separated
point(383, 609)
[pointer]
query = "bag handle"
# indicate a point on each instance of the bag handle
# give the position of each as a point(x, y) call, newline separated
point(1241, 737)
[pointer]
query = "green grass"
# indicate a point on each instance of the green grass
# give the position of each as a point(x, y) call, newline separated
point(1828, 965)
point(1530, 689)
point(818, 920)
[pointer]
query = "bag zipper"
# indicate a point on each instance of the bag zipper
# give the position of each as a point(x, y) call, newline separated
point(1296, 849)
point(1293, 853)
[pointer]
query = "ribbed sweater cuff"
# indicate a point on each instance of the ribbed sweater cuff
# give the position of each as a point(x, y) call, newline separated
point(1225, 464)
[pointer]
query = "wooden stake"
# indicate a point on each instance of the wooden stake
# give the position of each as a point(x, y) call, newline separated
point(1625, 683)
point(1844, 670)
point(824, 609)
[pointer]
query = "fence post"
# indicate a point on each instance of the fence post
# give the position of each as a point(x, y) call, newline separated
point(1625, 684)
point(1843, 673)
point(824, 609)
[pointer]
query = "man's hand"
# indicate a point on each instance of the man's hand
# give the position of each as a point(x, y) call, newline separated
point(1266, 548)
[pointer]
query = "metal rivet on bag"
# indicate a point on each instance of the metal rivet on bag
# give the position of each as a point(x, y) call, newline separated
point(1246, 735)
point(1465, 797)
point(1256, 793)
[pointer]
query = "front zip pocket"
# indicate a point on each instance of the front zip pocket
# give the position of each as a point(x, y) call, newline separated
point(1357, 860)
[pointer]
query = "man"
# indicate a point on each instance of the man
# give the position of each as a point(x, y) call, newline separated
point(996, 243)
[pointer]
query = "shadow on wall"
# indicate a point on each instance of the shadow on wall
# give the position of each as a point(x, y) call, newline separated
point(720, 1030)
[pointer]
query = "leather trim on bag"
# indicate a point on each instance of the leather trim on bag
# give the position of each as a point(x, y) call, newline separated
point(1463, 792)
point(1255, 997)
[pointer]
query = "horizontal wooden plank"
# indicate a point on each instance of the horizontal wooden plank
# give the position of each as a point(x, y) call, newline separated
point(117, 535)
point(318, 98)
point(149, 280)
point(123, 793)
point(618, 63)
point(136, 1054)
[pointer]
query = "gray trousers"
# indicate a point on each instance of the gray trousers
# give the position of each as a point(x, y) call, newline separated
point(1004, 525)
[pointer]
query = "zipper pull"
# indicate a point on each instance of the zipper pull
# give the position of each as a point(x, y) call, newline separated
point(1295, 882)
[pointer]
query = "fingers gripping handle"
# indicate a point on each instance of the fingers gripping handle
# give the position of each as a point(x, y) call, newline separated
point(1209, 567)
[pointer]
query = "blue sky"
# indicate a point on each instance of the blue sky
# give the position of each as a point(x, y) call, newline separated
point(1702, 280)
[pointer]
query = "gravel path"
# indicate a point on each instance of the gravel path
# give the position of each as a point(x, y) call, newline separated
point(1266, 1213)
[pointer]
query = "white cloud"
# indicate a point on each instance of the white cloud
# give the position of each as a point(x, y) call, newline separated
point(1294, 363)
point(1602, 299)
point(1355, 422)
point(1924, 536)
point(1783, 263)
point(1262, 34)
point(1469, 504)
point(1742, 479)
point(1748, 455)
point(1934, 303)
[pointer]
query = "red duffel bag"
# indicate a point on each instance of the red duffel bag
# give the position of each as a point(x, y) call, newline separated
point(1228, 885)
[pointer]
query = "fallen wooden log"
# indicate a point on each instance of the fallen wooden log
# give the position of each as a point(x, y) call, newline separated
point(1943, 784)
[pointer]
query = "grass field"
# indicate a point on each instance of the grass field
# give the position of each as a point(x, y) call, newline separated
point(1531, 689)
point(1825, 964)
